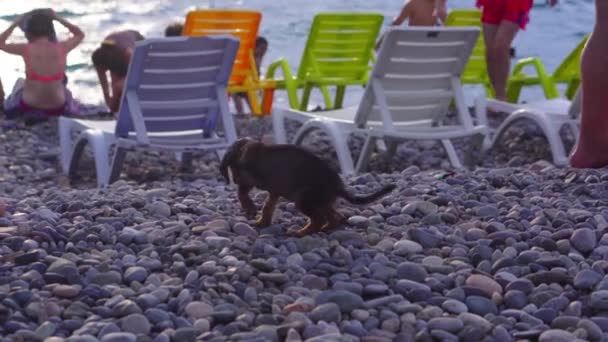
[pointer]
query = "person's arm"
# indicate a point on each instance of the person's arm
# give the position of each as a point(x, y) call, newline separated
point(404, 14)
point(117, 88)
point(77, 34)
point(441, 9)
point(15, 49)
point(103, 82)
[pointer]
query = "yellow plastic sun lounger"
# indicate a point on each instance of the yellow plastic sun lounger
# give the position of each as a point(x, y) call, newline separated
point(243, 25)
point(569, 72)
point(339, 52)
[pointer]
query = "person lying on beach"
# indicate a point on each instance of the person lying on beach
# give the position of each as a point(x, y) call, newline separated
point(113, 56)
point(417, 13)
point(43, 90)
point(261, 46)
point(501, 19)
point(174, 30)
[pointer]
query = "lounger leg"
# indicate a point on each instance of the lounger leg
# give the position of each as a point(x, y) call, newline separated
point(254, 103)
point(186, 162)
point(340, 90)
point(326, 97)
point(381, 145)
point(451, 152)
point(340, 140)
point(391, 147)
point(117, 160)
point(558, 151)
point(101, 149)
point(65, 143)
point(278, 127)
point(75, 154)
point(305, 97)
point(366, 152)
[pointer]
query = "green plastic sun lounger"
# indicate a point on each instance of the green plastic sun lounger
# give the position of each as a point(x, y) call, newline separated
point(568, 72)
point(475, 71)
point(339, 52)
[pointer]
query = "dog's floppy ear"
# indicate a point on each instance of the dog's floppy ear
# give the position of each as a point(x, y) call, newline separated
point(232, 156)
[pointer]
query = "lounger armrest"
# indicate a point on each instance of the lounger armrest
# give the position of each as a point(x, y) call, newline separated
point(534, 62)
point(284, 67)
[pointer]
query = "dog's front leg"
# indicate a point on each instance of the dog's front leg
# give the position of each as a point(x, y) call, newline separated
point(246, 202)
point(268, 210)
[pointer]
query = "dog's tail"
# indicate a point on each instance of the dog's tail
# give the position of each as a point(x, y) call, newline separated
point(359, 200)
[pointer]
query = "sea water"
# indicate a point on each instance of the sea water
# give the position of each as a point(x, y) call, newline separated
point(551, 34)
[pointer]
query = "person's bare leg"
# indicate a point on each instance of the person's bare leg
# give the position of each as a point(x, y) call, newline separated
point(591, 150)
point(498, 46)
point(238, 103)
point(1, 96)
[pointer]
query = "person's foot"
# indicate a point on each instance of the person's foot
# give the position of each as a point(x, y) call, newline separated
point(589, 158)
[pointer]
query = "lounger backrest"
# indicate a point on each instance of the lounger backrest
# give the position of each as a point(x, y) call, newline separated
point(340, 46)
point(238, 23)
point(475, 72)
point(417, 75)
point(176, 84)
point(570, 68)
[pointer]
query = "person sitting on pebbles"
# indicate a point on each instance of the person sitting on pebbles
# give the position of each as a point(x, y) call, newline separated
point(113, 56)
point(43, 91)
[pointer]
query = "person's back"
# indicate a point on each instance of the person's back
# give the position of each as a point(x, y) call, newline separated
point(417, 13)
point(43, 88)
point(421, 13)
point(45, 63)
point(124, 39)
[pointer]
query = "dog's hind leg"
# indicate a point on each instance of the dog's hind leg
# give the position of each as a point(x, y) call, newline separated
point(314, 208)
point(246, 202)
point(315, 225)
point(267, 211)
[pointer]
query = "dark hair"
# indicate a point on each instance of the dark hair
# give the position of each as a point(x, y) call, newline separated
point(40, 25)
point(261, 40)
point(111, 57)
point(174, 30)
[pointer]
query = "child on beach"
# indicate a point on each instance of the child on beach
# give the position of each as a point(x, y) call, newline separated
point(417, 13)
point(174, 30)
point(261, 46)
point(43, 91)
point(501, 19)
point(113, 56)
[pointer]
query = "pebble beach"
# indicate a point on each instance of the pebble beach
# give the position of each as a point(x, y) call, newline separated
point(514, 250)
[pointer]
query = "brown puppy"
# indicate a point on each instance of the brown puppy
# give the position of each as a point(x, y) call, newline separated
point(291, 172)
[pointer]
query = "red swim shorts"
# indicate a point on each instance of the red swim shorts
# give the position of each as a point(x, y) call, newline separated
point(516, 11)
